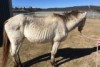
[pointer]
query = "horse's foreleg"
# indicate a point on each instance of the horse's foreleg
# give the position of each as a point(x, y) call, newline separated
point(53, 52)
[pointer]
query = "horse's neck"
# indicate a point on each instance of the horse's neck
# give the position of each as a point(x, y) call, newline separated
point(72, 23)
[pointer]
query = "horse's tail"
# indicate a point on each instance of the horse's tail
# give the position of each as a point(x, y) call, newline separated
point(6, 46)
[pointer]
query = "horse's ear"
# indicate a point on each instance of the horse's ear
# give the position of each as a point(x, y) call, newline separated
point(81, 25)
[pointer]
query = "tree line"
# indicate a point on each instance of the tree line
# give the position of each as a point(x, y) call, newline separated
point(82, 8)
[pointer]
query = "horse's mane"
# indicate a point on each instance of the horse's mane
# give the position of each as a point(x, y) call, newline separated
point(73, 13)
point(60, 16)
point(67, 15)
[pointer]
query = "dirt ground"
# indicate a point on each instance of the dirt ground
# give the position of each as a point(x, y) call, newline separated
point(75, 51)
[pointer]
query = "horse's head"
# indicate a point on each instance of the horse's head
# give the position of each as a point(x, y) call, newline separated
point(81, 24)
point(82, 17)
point(74, 19)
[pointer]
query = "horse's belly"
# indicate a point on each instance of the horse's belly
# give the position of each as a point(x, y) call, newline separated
point(38, 36)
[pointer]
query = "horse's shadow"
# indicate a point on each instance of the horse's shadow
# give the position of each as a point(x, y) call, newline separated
point(67, 54)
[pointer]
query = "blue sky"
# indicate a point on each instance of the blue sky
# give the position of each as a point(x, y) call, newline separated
point(53, 3)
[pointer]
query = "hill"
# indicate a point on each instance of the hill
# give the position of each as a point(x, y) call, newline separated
point(82, 8)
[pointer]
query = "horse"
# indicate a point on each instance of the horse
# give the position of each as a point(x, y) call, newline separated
point(39, 29)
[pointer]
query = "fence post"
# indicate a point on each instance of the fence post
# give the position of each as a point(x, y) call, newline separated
point(5, 13)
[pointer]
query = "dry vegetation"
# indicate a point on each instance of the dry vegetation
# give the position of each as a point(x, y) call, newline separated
point(75, 51)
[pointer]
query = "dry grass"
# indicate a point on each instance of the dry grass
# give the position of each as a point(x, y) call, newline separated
point(75, 51)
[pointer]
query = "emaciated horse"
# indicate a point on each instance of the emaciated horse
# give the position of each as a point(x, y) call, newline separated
point(39, 29)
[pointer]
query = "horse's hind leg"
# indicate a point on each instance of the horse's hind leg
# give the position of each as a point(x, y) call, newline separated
point(14, 50)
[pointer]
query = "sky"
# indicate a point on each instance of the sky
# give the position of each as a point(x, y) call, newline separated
point(53, 3)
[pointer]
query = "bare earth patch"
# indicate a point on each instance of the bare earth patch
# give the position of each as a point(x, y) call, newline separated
point(75, 51)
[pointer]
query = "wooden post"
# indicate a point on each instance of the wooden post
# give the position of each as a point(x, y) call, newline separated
point(5, 13)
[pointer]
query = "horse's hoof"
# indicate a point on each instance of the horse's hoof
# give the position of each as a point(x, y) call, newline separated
point(15, 65)
point(53, 63)
point(20, 65)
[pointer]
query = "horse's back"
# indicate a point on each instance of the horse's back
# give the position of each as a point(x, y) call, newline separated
point(41, 29)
